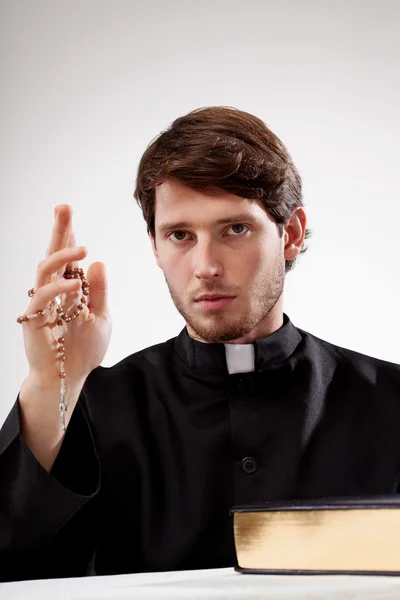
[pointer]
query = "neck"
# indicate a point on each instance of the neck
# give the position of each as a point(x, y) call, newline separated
point(271, 323)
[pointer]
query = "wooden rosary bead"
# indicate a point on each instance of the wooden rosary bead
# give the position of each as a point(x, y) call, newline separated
point(70, 273)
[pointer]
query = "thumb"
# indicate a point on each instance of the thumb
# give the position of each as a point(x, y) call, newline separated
point(97, 279)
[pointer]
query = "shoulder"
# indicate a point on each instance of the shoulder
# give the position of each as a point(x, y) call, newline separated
point(138, 361)
point(323, 350)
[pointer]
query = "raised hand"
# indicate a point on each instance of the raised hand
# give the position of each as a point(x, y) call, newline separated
point(87, 337)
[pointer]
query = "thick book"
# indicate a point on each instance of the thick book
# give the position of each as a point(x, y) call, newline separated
point(351, 535)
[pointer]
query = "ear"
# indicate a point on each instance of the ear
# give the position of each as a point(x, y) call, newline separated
point(155, 252)
point(293, 234)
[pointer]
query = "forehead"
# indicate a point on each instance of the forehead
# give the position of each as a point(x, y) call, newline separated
point(176, 202)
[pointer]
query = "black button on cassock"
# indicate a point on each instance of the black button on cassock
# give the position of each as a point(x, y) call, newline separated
point(246, 384)
point(249, 465)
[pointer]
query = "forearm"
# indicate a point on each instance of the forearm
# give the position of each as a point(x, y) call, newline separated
point(40, 417)
point(42, 513)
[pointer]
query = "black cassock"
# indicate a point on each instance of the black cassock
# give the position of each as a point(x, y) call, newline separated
point(164, 443)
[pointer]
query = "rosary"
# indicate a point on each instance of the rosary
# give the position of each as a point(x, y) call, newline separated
point(62, 317)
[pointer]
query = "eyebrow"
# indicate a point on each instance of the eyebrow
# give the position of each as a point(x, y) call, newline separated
point(242, 217)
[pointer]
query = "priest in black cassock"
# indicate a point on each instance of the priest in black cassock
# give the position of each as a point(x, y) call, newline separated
point(240, 407)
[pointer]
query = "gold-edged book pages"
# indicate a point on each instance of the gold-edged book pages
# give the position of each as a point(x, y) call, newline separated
point(334, 537)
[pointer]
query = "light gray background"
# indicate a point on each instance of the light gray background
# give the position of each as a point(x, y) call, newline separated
point(86, 85)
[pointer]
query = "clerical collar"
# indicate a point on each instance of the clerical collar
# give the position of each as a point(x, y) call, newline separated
point(219, 358)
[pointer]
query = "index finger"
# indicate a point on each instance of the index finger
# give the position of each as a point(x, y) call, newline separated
point(61, 229)
point(72, 244)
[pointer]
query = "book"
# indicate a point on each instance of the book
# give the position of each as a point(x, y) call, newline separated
point(346, 535)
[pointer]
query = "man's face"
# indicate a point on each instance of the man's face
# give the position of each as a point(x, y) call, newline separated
point(243, 258)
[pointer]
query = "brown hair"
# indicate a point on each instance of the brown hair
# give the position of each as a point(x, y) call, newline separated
point(220, 149)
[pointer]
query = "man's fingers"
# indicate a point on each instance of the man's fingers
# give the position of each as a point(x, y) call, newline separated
point(56, 263)
point(61, 229)
point(72, 244)
point(97, 279)
point(48, 292)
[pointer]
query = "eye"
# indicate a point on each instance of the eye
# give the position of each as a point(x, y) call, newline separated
point(234, 225)
point(173, 233)
point(238, 225)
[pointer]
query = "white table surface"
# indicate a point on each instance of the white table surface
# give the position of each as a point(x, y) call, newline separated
point(214, 583)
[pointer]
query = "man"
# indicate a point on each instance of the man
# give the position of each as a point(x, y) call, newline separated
point(240, 407)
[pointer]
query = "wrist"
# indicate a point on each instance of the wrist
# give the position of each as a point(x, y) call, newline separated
point(51, 384)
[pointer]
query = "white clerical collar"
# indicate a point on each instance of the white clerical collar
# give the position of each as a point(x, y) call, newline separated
point(239, 357)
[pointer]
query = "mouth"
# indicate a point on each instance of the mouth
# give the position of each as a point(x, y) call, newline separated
point(216, 303)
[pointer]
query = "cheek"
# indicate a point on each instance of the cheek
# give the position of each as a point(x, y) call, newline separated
point(269, 254)
point(175, 273)
point(259, 268)
point(251, 263)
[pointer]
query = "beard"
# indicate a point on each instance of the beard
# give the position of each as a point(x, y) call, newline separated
point(229, 324)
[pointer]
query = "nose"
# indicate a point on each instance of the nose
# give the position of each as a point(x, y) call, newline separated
point(205, 261)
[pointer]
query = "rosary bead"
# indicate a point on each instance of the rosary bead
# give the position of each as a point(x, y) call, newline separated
point(69, 273)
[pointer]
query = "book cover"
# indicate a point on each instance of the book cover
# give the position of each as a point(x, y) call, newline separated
point(346, 535)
